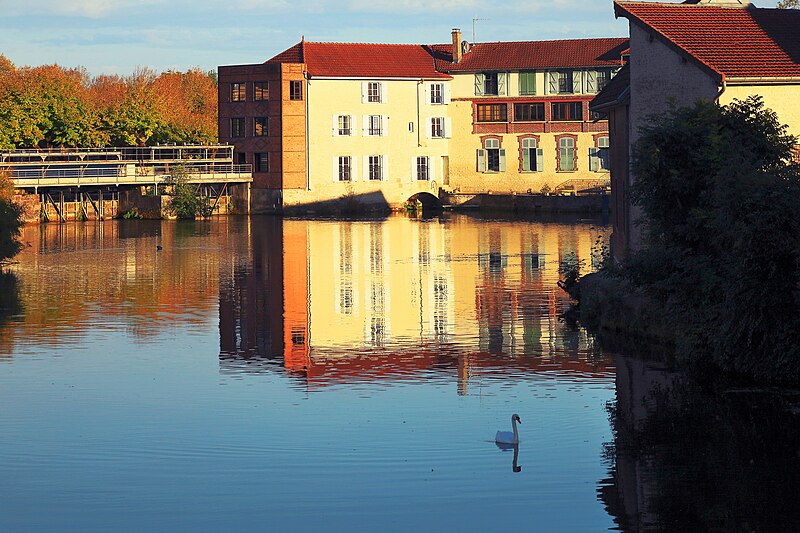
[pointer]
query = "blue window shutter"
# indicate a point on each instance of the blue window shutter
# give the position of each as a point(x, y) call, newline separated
point(502, 160)
point(539, 160)
point(481, 160)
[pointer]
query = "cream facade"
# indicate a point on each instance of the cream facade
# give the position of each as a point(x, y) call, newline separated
point(374, 142)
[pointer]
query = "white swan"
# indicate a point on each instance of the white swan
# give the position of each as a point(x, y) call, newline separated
point(508, 437)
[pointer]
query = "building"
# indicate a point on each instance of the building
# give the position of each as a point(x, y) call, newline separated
point(682, 53)
point(331, 126)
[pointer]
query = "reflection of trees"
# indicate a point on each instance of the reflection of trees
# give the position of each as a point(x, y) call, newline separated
point(81, 276)
point(688, 460)
point(10, 306)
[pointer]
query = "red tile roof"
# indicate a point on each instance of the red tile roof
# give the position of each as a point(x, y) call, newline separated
point(533, 54)
point(732, 42)
point(362, 60)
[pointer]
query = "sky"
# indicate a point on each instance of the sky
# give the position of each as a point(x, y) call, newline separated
point(116, 36)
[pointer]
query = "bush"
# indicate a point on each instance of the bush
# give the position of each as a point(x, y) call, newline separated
point(185, 204)
point(719, 194)
point(10, 221)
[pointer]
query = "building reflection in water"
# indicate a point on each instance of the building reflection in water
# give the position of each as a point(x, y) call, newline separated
point(336, 301)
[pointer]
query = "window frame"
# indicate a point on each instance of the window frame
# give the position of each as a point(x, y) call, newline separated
point(259, 158)
point(374, 96)
point(530, 84)
point(566, 79)
point(436, 94)
point(344, 128)
point(375, 168)
point(535, 156)
point(537, 105)
point(491, 80)
point(264, 126)
point(372, 130)
point(437, 127)
point(423, 167)
point(296, 90)
point(563, 153)
point(237, 127)
point(568, 111)
point(345, 166)
point(238, 91)
point(260, 91)
point(491, 116)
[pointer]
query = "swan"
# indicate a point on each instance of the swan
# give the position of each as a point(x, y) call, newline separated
point(508, 437)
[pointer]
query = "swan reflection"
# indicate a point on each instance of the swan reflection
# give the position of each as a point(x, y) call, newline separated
point(506, 447)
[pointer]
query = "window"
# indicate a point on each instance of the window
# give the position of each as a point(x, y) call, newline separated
point(565, 82)
point(423, 169)
point(260, 126)
point(527, 83)
point(491, 158)
point(491, 113)
point(237, 127)
point(490, 83)
point(345, 167)
point(295, 90)
point(375, 169)
point(261, 160)
point(437, 127)
point(260, 90)
point(603, 77)
point(529, 112)
point(567, 111)
point(566, 154)
point(344, 125)
point(437, 93)
point(241, 158)
point(238, 93)
point(532, 156)
point(599, 156)
point(374, 91)
point(374, 125)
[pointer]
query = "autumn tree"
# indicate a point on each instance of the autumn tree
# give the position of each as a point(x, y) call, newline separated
point(10, 220)
point(789, 4)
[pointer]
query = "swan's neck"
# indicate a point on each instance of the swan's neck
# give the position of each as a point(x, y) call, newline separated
point(514, 427)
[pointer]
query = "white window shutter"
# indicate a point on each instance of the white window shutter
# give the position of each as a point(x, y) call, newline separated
point(428, 127)
point(364, 92)
point(427, 97)
point(353, 168)
point(594, 163)
point(384, 167)
point(384, 126)
point(539, 160)
point(365, 168)
point(526, 159)
point(352, 125)
point(335, 168)
point(365, 125)
point(480, 84)
point(576, 81)
point(335, 125)
point(502, 160)
point(481, 160)
point(384, 92)
point(413, 168)
point(552, 85)
point(431, 168)
point(502, 83)
point(591, 81)
point(448, 127)
point(446, 91)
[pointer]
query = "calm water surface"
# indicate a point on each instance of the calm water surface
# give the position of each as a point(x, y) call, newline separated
point(270, 374)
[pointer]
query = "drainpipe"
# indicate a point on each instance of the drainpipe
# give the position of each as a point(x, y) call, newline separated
point(419, 139)
point(308, 159)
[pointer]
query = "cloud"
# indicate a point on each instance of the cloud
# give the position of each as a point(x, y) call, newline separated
point(411, 6)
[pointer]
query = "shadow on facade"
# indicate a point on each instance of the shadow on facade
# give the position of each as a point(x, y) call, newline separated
point(349, 204)
point(688, 460)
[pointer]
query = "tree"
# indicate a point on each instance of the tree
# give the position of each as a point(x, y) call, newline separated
point(789, 4)
point(718, 190)
point(10, 221)
point(184, 197)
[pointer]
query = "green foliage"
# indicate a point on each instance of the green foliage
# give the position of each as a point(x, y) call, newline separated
point(185, 203)
point(570, 271)
point(719, 194)
point(132, 214)
point(10, 222)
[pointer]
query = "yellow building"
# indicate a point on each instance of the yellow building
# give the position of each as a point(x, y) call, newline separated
point(354, 126)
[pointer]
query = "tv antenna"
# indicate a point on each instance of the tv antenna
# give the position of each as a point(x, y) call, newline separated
point(473, 27)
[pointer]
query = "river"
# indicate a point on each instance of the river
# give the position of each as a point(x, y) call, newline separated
point(320, 375)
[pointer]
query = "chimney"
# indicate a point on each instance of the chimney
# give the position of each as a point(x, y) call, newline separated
point(456, 45)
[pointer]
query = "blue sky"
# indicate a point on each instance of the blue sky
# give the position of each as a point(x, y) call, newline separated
point(116, 36)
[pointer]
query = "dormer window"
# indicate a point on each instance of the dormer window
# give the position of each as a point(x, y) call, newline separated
point(491, 83)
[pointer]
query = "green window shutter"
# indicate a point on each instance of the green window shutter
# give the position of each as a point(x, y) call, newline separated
point(527, 83)
point(502, 85)
point(481, 160)
point(553, 82)
point(502, 160)
point(591, 81)
point(526, 159)
point(594, 163)
point(540, 160)
point(480, 81)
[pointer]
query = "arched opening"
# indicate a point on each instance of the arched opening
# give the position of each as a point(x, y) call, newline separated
point(424, 202)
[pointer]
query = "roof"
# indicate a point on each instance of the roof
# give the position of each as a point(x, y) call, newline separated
point(733, 42)
point(361, 60)
point(616, 92)
point(533, 55)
